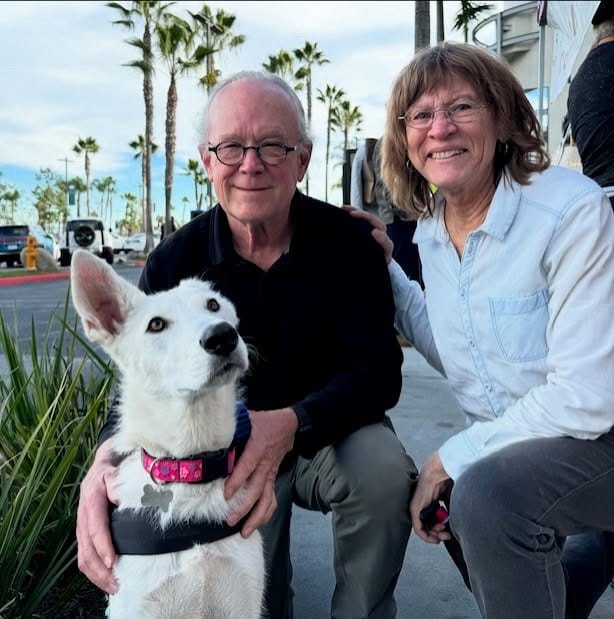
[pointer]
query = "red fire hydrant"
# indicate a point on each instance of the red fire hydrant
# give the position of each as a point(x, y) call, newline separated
point(30, 252)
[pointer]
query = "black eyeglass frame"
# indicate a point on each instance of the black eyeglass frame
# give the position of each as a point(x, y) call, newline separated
point(287, 149)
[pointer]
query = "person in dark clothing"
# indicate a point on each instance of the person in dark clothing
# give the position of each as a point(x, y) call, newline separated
point(318, 315)
point(163, 231)
point(369, 193)
point(590, 105)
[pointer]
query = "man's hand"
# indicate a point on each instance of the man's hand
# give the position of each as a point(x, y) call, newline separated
point(271, 439)
point(96, 555)
point(433, 483)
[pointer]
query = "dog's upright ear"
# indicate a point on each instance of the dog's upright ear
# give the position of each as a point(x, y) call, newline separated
point(101, 297)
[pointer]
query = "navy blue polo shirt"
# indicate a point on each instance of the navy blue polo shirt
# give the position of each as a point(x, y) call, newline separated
point(320, 319)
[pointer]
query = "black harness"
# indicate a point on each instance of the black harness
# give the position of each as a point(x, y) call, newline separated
point(136, 532)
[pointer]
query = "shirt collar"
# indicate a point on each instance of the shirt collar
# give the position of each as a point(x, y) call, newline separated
point(221, 243)
point(501, 213)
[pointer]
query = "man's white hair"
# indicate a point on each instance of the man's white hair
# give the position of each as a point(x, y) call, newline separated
point(255, 76)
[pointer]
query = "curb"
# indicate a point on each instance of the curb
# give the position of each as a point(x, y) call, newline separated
point(41, 277)
point(25, 279)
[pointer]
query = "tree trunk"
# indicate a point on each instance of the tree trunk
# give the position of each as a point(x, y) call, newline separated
point(87, 182)
point(171, 112)
point(148, 97)
point(423, 24)
point(308, 123)
point(440, 23)
point(328, 126)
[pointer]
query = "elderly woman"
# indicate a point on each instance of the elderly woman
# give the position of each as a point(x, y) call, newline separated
point(518, 264)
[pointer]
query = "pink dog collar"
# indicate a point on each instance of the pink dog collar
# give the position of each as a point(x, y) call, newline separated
point(189, 470)
point(204, 467)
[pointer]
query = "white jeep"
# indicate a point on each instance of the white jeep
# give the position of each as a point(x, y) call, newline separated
point(87, 233)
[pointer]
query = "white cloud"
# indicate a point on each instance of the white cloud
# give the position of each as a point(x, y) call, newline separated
point(63, 78)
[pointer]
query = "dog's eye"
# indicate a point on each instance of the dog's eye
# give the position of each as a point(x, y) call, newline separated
point(213, 305)
point(156, 325)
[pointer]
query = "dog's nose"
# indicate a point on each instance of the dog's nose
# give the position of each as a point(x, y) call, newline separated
point(220, 340)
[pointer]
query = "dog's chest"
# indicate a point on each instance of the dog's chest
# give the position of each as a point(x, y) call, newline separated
point(187, 582)
point(174, 502)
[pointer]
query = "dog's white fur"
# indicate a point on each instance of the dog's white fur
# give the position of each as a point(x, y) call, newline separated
point(175, 401)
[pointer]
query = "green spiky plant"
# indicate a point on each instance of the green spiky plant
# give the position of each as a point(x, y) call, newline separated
point(53, 401)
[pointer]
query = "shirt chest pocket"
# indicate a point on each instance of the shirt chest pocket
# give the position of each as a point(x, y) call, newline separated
point(520, 324)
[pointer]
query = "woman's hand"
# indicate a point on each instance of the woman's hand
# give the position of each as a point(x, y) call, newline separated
point(378, 232)
point(433, 484)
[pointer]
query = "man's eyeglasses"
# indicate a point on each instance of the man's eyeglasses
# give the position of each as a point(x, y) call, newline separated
point(233, 153)
point(459, 113)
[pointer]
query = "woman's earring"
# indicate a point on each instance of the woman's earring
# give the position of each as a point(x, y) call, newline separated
point(502, 148)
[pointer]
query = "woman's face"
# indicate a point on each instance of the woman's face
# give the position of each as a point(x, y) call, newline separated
point(456, 157)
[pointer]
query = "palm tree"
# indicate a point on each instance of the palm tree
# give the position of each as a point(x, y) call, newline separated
point(98, 185)
point(468, 12)
point(106, 186)
point(86, 146)
point(348, 118)
point(110, 184)
point(309, 55)
point(440, 21)
point(128, 225)
point(423, 24)
point(281, 64)
point(12, 197)
point(138, 146)
point(185, 200)
point(195, 170)
point(332, 98)
point(79, 187)
point(149, 12)
point(217, 34)
point(177, 45)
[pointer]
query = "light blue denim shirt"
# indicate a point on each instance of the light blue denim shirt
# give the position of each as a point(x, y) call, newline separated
point(522, 324)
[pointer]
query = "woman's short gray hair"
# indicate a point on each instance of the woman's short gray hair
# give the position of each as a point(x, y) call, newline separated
point(255, 76)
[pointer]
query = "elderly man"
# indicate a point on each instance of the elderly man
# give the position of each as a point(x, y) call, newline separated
point(314, 301)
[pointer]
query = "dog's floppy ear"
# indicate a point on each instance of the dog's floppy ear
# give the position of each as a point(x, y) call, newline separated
point(101, 297)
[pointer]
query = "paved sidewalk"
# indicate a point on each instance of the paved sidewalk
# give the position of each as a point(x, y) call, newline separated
point(429, 586)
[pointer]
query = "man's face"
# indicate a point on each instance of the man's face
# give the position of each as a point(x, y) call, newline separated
point(252, 113)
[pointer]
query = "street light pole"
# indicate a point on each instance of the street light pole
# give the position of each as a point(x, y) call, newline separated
point(66, 161)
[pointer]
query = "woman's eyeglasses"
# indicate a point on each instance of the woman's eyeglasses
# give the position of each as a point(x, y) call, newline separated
point(459, 113)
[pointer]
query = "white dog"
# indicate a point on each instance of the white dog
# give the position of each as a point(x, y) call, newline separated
point(179, 355)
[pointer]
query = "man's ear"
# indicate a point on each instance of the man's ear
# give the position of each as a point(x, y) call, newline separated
point(205, 157)
point(304, 157)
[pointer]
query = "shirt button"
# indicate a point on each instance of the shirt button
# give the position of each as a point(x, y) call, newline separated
point(471, 344)
point(488, 388)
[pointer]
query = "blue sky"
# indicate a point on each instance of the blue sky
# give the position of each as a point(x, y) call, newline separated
point(63, 78)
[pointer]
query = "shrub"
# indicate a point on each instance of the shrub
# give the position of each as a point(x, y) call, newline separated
point(52, 403)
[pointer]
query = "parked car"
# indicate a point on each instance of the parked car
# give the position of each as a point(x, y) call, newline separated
point(87, 233)
point(46, 240)
point(13, 239)
point(136, 242)
point(116, 241)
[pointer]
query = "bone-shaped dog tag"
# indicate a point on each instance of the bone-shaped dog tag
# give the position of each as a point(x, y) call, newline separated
point(156, 498)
